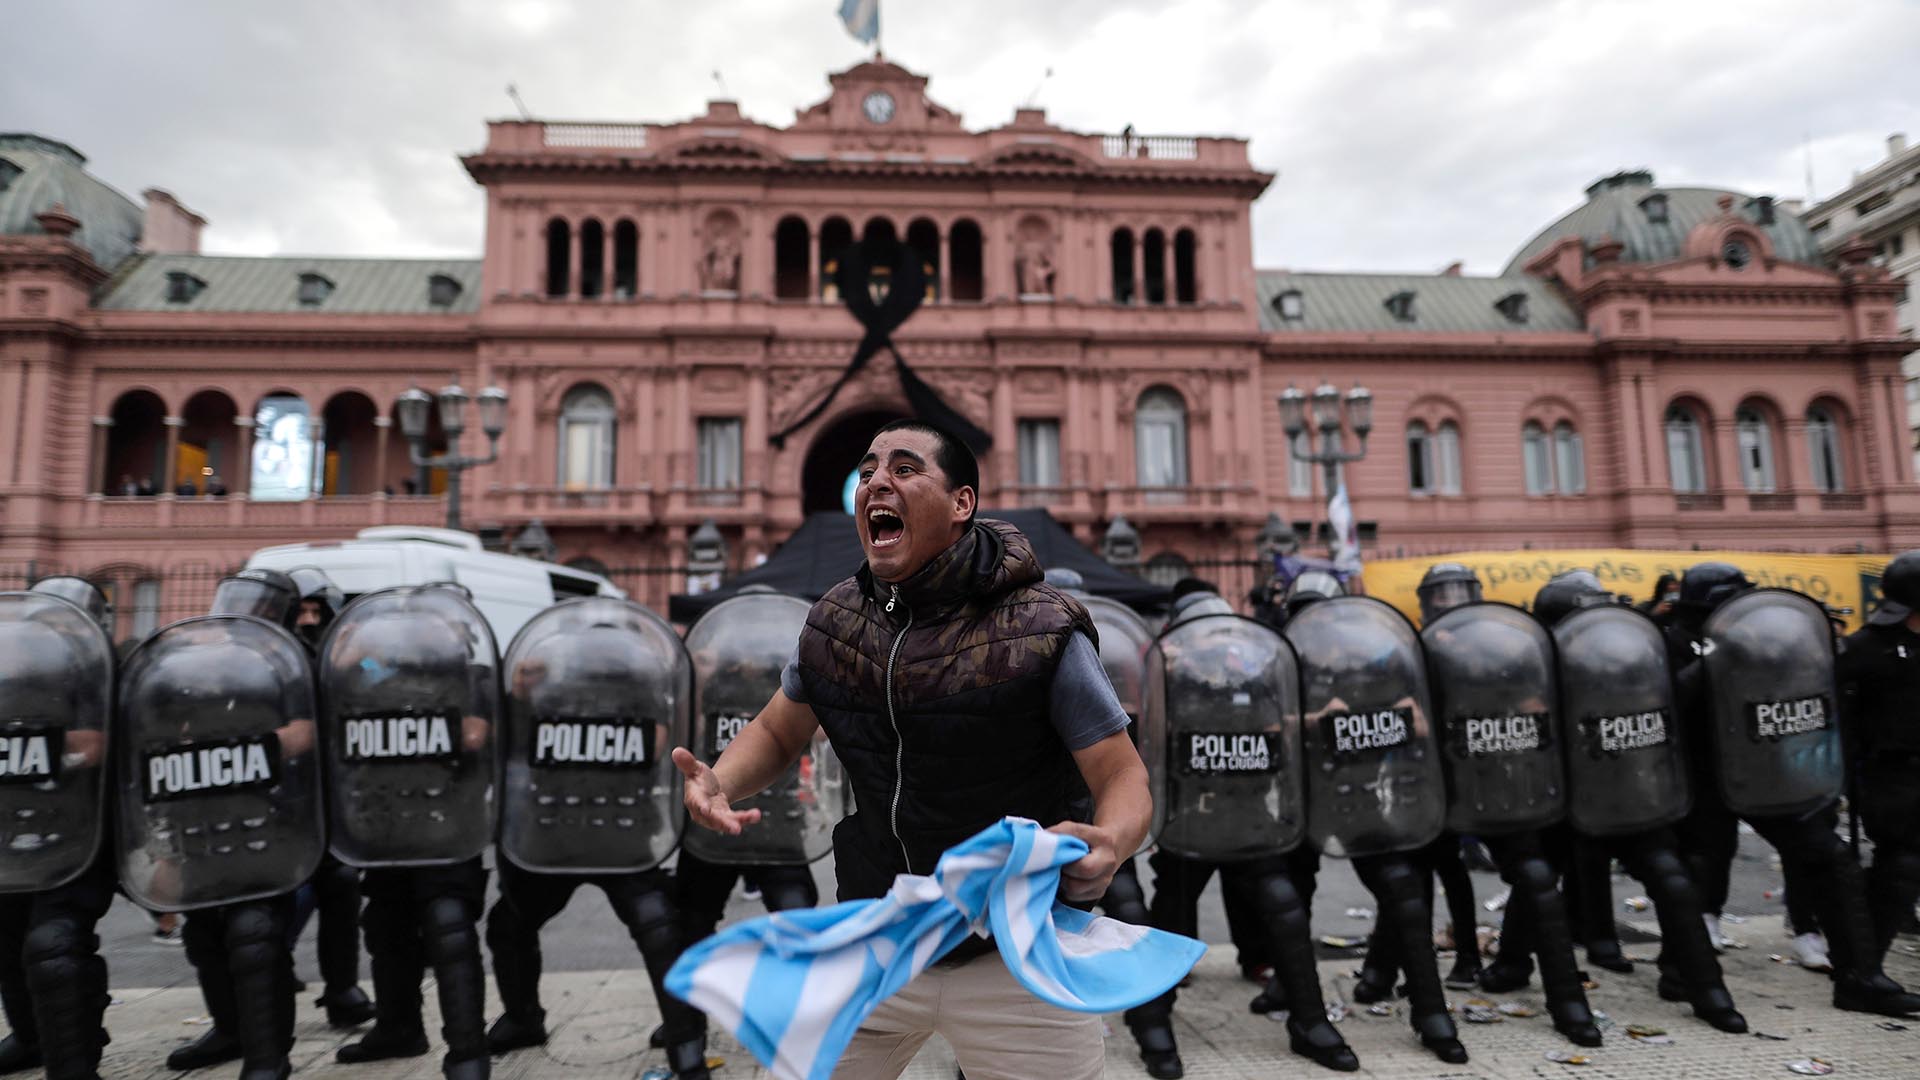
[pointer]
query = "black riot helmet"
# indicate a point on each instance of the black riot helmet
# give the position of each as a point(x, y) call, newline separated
point(1312, 586)
point(1899, 590)
point(1567, 593)
point(317, 587)
point(1446, 586)
point(82, 594)
point(1194, 597)
point(264, 594)
point(1707, 585)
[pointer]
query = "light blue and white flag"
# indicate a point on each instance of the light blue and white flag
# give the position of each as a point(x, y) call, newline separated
point(862, 18)
point(794, 986)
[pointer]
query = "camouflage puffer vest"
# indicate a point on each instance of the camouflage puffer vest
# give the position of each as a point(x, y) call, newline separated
point(935, 695)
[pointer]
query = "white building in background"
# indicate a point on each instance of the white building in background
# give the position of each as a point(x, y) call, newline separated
point(1881, 207)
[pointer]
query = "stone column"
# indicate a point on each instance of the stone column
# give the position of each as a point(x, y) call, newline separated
point(168, 481)
point(573, 260)
point(317, 431)
point(383, 429)
point(1005, 439)
point(104, 484)
point(606, 261)
point(946, 265)
point(242, 483)
point(1139, 268)
point(813, 262)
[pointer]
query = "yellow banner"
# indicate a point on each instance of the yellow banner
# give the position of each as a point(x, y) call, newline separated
point(1840, 581)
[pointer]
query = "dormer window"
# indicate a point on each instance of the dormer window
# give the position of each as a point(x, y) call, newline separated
point(1763, 210)
point(1513, 306)
point(1401, 305)
point(1735, 253)
point(182, 287)
point(442, 291)
point(1655, 207)
point(1290, 305)
point(314, 290)
point(8, 170)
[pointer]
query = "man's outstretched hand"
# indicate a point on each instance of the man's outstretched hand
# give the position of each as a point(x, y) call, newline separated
point(706, 800)
point(1088, 877)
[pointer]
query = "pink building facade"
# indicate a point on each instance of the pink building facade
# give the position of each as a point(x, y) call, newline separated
point(1663, 367)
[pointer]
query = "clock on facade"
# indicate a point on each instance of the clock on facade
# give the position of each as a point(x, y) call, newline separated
point(878, 106)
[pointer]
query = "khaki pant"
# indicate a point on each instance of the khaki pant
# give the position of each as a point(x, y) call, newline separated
point(998, 1030)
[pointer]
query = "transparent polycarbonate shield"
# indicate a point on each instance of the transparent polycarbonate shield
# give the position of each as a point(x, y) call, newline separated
point(1226, 691)
point(217, 765)
point(1124, 638)
point(1626, 766)
point(410, 700)
point(598, 691)
point(1374, 782)
point(1497, 715)
point(1769, 661)
point(56, 706)
point(739, 648)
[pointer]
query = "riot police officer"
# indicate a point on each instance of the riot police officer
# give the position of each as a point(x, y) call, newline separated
point(598, 689)
point(56, 707)
point(334, 892)
point(1375, 789)
point(1759, 695)
point(219, 808)
point(1880, 680)
point(1627, 781)
point(1222, 711)
point(409, 687)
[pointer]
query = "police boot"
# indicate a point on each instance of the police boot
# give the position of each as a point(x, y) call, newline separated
point(16, 1055)
point(1533, 885)
point(1689, 968)
point(516, 973)
point(1892, 885)
point(337, 888)
point(1309, 1033)
point(263, 990)
point(1379, 969)
point(1405, 914)
point(1512, 969)
point(204, 936)
point(644, 905)
point(397, 1031)
point(1859, 984)
point(216, 1047)
point(688, 1059)
point(1158, 1051)
point(453, 948)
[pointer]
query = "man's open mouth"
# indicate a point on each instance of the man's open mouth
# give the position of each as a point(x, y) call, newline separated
point(884, 527)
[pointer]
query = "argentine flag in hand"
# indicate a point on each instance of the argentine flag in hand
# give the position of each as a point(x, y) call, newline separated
point(794, 986)
point(862, 18)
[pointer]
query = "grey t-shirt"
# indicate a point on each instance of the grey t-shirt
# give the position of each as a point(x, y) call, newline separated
point(1080, 702)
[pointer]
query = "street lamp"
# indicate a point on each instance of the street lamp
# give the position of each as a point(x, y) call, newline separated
point(1331, 413)
point(416, 407)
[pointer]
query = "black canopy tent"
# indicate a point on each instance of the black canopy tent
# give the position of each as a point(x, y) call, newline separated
point(825, 550)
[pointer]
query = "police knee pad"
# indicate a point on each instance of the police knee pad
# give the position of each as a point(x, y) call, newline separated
point(57, 949)
point(255, 938)
point(335, 877)
point(447, 931)
point(782, 894)
point(1531, 872)
point(646, 910)
point(1275, 895)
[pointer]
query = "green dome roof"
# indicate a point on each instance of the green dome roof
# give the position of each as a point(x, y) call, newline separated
point(1625, 206)
point(37, 173)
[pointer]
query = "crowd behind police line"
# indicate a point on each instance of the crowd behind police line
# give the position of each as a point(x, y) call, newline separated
point(353, 749)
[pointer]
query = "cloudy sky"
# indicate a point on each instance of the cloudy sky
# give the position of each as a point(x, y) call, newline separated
point(1405, 133)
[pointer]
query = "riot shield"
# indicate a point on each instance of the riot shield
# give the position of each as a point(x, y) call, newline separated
point(739, 649)
point(1626, 767)
point(409, 697)
point(1497, 716)
point(1769, 660)
point(217, 765)
point(56, 705)
point(597, 696)
point(1374, 782)
point(1124, 639)
point(1226, 690)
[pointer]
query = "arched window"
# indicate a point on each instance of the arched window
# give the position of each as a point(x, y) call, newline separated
point(558, 257)
point(1569, 459)
point(969, 279)
point(1122, 248)
point(587, 419)
point(1419, 459)
point(1823, 443)
point(626, 260)
point(282, 469)
point(1186, 287)
point(1537, 458)
point(1153, 265)
point(1755, 437)
point(1166, 568)
point(836, 236)
point(790, 259)
point(923, 237)
point(1686, 453)
point(1160, 439)
point(593, 239)
point(1446, 457)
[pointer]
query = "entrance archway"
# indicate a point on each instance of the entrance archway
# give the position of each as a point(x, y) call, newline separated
point(836, 452)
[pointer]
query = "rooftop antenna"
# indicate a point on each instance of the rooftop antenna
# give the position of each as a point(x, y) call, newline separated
point(514, 93)
point(720, 81)
point(1033, 99)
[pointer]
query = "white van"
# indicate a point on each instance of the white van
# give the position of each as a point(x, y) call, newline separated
point(508, 589)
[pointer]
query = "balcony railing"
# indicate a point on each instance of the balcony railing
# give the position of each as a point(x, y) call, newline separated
point(344, 512)
point(1151, 147)
point(1842, 501)
point(611, 136)
point(1695, 501)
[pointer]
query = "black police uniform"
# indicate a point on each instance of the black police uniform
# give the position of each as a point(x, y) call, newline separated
point(1879, 675)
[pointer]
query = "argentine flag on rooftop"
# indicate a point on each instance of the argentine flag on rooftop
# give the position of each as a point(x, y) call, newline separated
point(794, 986)
point(862, 18)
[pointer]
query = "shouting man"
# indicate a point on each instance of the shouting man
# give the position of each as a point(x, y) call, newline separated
point(957, 688)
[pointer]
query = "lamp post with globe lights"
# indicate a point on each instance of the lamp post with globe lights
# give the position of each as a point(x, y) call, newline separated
point(1331, 413)
point(415, 407)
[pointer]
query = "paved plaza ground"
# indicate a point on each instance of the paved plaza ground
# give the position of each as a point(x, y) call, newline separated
point(600, 1018)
